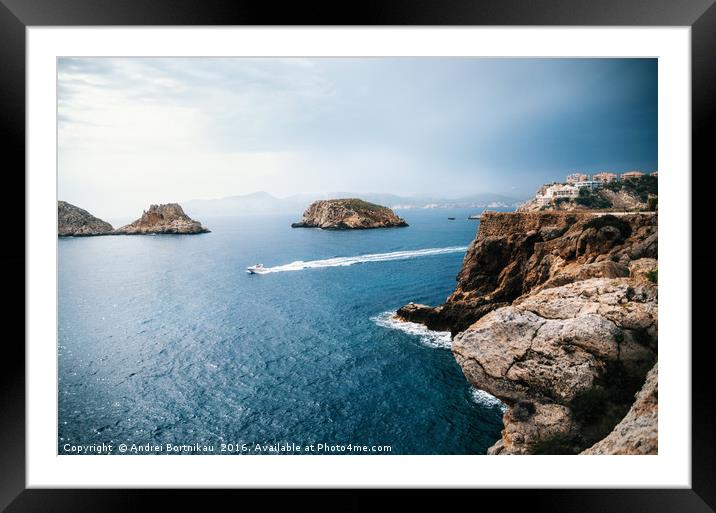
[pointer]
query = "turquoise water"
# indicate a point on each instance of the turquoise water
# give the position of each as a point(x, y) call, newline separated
point(167, 340)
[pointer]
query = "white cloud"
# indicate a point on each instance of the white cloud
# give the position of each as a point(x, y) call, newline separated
point(146, 130)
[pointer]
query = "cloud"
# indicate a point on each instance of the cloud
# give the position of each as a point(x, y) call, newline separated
point(133, 130)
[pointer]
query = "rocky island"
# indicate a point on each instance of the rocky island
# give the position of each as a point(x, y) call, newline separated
point(348, 214)
point(555, 313)
point(73, 221)
point(167, 218)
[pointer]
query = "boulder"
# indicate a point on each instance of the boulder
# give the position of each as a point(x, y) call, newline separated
point(557, 348)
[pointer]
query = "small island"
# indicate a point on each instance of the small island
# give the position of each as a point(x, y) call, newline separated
point(73, 221)
point(168, 218)
point(348, 214)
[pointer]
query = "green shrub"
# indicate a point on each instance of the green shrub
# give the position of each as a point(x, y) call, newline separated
point(653, 275)
point(359, 205)
point(640, 187)
point(590, 199)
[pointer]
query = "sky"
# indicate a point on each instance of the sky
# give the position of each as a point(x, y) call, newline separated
point(136, 131)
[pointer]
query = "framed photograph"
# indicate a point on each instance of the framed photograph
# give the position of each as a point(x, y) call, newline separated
point(263, 251)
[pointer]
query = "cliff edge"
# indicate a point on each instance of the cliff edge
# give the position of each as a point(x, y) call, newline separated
point(348, 214)
point(555, 313)
point(520, 253)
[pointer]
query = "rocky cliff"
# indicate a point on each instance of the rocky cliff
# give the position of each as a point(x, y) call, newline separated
point(74, 221)
point(555, 313)
point(167, 218)
point(348, 214)
point(518, 253)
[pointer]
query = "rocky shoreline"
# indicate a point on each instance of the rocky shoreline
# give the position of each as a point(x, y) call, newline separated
point(348, 214)
point(168, 218)
point(555, 313)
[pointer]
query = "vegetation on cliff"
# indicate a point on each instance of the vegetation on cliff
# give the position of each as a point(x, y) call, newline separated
point(641, 187)
point(591, 199)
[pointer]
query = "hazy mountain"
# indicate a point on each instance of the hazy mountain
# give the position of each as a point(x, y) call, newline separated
point(263, 202)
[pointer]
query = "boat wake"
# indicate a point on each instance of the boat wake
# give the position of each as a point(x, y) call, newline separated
point(436, 339)
point(300, 265)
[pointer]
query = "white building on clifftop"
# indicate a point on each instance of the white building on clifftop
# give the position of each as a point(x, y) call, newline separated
point(589, 184)
point(548, 193)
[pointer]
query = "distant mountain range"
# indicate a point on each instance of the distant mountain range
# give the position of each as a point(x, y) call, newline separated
point(263, 202)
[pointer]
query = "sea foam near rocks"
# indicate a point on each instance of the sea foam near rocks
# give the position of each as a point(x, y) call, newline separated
point(486, 399)
point(434, 339)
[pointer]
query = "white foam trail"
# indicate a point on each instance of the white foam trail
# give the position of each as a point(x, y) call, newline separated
point(437, 339)
point(486, 399)
point(299, 265)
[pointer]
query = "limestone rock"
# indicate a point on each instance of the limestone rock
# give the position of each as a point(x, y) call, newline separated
point(592, 338)
point(416, 312)
point(522, 435)
point(639, 269)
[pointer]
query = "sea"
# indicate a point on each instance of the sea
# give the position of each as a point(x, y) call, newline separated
point(167, 345)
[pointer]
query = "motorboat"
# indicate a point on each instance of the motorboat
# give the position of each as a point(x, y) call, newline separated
point(255, 269)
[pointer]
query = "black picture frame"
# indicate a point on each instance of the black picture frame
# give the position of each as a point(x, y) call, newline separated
point(17, 15)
